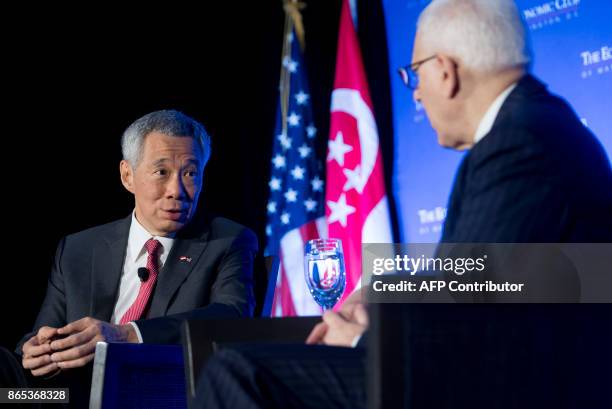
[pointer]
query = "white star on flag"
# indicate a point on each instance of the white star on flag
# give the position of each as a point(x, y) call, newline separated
point(268, 230)
point(275, 183)
point(272, 207)
point(317, 184)
point(279, 161)
point(292, 66)
point(337, 149)
point(294, 119)
point(304, 151)
point(340, 210)
point(301, 97)
point(353, 179)
point(310, 204)
point(285, 218)
point(290, 37)
point(284, 140)
point(291, 195)
point(297, 173)
point(311, 131)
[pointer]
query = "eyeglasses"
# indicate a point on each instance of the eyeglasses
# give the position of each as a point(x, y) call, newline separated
point(409, 74)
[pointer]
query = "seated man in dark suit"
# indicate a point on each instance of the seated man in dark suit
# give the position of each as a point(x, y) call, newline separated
point(136, 279)
point(534, 173)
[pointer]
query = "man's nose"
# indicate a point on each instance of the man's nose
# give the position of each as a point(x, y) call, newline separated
point(175, 187)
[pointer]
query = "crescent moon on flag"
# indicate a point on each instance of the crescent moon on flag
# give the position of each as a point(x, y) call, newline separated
point(350, 102)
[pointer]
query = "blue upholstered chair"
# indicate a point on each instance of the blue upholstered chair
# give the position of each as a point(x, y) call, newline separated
point(138, 376)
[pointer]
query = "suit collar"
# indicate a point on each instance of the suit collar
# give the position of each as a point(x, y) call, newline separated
point(109, 256)
point(525, 88)
point(188, 247)
point(182, 258)
point(487, 120)
point(107, 264)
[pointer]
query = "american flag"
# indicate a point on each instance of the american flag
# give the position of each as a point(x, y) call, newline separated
point(296, 210)
point(356, 202)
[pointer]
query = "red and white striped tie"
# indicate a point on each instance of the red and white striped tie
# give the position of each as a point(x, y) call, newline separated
point(146, 287)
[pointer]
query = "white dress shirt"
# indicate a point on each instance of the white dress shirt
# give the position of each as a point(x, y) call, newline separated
point(136, 257)
point(486, 123)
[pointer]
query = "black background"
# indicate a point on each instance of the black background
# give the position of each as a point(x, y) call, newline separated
point(75, 78)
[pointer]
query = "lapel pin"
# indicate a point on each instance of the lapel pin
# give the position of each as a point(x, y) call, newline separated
point(185, 259)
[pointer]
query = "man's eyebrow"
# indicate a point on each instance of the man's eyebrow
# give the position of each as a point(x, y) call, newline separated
point(161, 161)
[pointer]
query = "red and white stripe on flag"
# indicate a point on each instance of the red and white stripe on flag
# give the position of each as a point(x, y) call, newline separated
point(292, 296)
point(356, 203)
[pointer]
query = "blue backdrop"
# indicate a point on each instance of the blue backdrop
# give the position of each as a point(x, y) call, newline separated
point(572, 45)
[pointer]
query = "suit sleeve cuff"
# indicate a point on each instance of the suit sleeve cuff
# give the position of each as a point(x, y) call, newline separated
point(138, 334)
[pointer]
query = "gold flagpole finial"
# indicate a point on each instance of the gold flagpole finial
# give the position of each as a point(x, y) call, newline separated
point(293, 21)
point(293, 9)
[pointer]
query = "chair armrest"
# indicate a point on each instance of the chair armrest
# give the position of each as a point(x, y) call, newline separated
point(201, 338)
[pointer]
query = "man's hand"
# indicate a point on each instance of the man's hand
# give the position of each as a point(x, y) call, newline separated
point(78, 348)
point(347, 310)
point(338, 329)
point(344, 323)
point(37, 352)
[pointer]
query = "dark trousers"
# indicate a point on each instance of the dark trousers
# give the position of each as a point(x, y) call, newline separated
point(283, 376)
point(12, 375)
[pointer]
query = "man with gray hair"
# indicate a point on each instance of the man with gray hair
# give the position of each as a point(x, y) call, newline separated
point(136, 279)
point(534, 173)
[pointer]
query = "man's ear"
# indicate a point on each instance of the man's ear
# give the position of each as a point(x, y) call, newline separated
point(127, 175)
point(450, 76)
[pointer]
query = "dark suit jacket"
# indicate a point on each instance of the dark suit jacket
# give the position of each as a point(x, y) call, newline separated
point(539, 175)
point(217, 282)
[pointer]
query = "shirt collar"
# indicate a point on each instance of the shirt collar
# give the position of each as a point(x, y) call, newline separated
point(486, 123)
point(138, 236)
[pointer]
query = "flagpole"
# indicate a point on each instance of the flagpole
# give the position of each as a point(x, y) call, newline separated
point(296, 204)
point(293, 19)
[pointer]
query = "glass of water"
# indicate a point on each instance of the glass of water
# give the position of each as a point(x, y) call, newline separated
point(324, 271)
